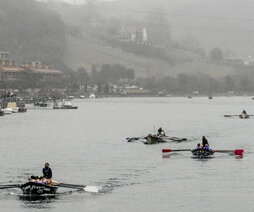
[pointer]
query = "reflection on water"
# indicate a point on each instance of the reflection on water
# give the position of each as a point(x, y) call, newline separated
point(38, 202)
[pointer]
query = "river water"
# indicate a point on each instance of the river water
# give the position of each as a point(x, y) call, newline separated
point(87, 146)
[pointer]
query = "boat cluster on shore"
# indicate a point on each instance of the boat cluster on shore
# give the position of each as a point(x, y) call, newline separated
point(12, 107)
point(19, 105)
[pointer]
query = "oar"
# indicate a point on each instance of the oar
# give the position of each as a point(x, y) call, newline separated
point(133, 139)
point(177, 139)
point(175, 150)
point(236, 151)
point(230, 115)
point(10, 186)
point(94, 189)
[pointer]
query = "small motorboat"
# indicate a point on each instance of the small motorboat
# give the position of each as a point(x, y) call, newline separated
point(40, 104)
point(13, 107)
point(33, 189)
point(22, 110)
point(68, 105)
point(202, 153)
point(7, 111)
point(1, 112)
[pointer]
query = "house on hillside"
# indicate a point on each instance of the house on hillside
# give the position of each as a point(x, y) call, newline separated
point(140, 36)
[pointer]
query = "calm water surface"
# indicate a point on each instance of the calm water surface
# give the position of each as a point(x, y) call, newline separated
point(87, 146)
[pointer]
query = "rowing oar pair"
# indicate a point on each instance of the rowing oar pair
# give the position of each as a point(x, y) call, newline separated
point(93, 189)
point(238, 152)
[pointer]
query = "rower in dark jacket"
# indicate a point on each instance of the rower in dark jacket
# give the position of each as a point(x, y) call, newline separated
point(204, 142)
point(47, 172)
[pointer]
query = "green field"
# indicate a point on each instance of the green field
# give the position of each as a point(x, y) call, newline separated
point(81, 53)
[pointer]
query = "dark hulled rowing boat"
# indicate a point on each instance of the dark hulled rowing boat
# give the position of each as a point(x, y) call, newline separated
point(31, 188)
point(154, 139)
point(202, 153)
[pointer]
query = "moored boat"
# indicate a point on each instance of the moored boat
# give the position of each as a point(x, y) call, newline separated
point(22, 110)
point(7, 111)
point(68, 105)
point(13, 107)
point(31, 188)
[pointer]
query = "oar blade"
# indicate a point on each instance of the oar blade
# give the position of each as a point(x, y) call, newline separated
point(239, 152)
point(93, 189)
point(132, 139)
point(166, 150)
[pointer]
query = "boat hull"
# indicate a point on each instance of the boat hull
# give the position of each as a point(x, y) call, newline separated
point(244, 116)
point(34, 189)
point(69, 107)
point(153, 139)
point(202, 154)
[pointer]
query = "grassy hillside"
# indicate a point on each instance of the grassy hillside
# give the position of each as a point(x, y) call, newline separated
point(83, 53)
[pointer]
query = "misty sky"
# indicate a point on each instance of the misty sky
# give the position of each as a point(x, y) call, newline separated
point(75, 1)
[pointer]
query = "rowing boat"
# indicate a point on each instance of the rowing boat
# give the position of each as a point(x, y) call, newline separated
point(202, 153)
point(31, 188)
point(244, 116)
point(154, 139)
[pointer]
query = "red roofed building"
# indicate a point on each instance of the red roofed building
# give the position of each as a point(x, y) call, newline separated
point(10, 70)
point(45, 71)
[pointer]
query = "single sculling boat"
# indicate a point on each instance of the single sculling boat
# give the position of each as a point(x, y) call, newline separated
point(244, 116)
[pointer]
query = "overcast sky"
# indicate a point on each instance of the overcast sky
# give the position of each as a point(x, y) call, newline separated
point(74, 1)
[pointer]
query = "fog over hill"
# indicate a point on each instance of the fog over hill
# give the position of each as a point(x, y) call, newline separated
point(227, 24)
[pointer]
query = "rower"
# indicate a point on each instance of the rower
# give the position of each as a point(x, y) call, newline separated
point(198, 146)
point(207, 147)
point(204, 141)
point(32, 179)
point(47, 172)
point(244, 112)
point(161, 131)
